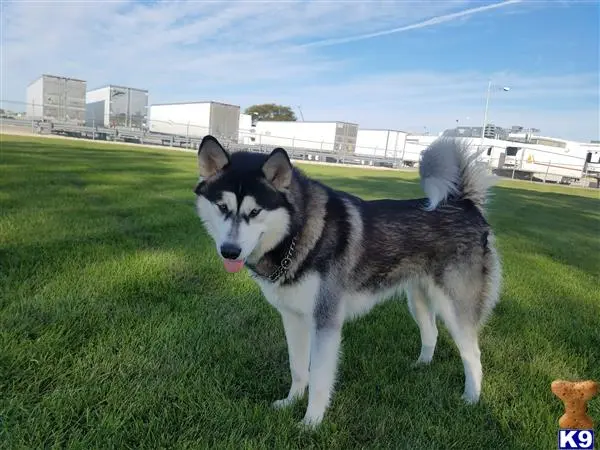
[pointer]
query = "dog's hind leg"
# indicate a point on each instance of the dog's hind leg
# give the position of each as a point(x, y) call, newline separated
point(297, 333)
point(424, 315)
point(465, 336)
point(468, 345)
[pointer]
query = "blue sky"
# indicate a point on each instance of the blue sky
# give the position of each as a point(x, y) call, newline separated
point(408, 65)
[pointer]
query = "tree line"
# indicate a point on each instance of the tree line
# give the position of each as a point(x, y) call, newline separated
point(271, 112)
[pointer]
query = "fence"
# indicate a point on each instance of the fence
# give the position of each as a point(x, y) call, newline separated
point(506, 158)
point(189, 134)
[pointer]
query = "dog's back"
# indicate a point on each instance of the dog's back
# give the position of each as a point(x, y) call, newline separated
point(443, 240)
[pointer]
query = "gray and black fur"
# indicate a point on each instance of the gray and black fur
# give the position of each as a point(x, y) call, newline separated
point(347, 254)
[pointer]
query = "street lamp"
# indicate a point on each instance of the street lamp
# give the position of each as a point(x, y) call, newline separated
point(487, 103)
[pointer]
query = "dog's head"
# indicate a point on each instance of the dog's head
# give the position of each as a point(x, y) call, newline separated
point(242, 201)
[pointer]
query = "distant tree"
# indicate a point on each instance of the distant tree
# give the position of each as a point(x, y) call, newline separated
point(272, 112)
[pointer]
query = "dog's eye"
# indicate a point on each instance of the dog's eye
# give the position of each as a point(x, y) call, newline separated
point(254, 213)
point(222, 208)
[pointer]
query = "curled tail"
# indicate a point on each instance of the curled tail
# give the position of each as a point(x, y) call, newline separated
point(449, 171)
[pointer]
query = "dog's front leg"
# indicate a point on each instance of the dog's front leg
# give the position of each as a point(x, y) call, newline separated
point(297, 334)
point(323, 366)
point(325, 345)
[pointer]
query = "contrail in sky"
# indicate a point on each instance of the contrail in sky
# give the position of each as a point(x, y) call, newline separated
point(423, 24)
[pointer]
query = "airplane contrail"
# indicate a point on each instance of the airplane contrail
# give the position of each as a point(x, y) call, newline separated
point(425, 23)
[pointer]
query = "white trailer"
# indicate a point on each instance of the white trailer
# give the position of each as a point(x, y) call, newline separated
point(550, 159)
point(380, 143)
point(592, 160)
point(415, 145)
point(56, 99)
point(116, 106)
point(335, 137)
point(246, 130)
point(196, 119)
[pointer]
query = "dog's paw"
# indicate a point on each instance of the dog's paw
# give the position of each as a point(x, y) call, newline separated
point(283, 403)
point(309, 424)
point(425, 356)
point(421, 362)
point(470, 398)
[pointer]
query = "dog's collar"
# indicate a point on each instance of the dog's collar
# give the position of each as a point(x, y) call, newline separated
point(285, 263)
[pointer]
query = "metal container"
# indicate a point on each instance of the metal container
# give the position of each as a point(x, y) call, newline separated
point(57, 99)
point(382, 143)
point(117, 106)
point(196, 119)
point(334, 137)
point(246, 129)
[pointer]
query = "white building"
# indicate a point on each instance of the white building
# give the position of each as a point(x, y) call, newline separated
point(57, 99)
point(380, 143)
point(336, 137)
point(116, 106)
point(196, 119)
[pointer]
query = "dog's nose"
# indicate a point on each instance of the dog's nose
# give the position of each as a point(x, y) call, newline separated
point(230, 251)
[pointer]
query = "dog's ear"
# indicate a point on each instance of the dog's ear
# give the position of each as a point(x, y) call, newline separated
point(212, 157)
point(278, 169)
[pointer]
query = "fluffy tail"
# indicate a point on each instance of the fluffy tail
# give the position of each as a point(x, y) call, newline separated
point(448, 170)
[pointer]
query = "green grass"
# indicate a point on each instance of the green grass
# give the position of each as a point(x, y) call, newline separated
point(120, 329)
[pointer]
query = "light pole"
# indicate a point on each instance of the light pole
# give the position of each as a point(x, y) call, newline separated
point(487, 104)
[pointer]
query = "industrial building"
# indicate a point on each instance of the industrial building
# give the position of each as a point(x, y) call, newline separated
point(116, 106)
point(491, 132)
point(336, 137)
point(382, 143)
point(196, 119)
point(57, 99)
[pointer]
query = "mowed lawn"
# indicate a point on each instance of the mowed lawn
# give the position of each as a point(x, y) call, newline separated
point(119, 327)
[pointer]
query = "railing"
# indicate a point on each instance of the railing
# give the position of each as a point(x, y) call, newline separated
point(530, 162)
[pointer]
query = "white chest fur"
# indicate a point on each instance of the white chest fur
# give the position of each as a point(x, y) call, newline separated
point(297, 298)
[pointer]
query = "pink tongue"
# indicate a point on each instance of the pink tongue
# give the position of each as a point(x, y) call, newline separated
point(233, 265)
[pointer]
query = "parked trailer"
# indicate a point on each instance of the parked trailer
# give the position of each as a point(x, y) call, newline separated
point(117, 106)
point(196, 119)
point(592, 158)
point(54, 98)
point(383, 143)
point(415, 145)
point(245, 131)
point(549, 159)
point(335, 137)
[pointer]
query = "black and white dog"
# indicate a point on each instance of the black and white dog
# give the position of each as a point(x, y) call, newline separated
point(322, 256)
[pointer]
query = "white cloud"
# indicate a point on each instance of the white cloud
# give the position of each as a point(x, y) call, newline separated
point(414, 26)
point(256, 51)
point(148, 43)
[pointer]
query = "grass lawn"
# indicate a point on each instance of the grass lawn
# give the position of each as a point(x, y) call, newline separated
point(119, 327)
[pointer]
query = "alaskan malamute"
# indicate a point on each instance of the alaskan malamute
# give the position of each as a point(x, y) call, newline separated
point(322, 256)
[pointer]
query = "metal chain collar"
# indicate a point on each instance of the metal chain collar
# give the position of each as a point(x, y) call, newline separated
point(285, 262)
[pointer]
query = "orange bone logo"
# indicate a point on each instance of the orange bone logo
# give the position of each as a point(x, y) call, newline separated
point(575, 395)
